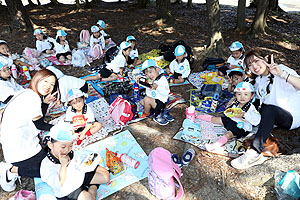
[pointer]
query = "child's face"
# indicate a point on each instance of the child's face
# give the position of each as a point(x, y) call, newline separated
point(62, 38)
point(236, 79)
point(244, 97)
point(5, 72)
point(60, 149)
point(96, 34)
point(46, 85)
point(179, 58)
point(152, 73)
point(4, 49)
point(132, 43)
point(127, 51)
point(39, 36)
point(77, 103)
point(236, 54)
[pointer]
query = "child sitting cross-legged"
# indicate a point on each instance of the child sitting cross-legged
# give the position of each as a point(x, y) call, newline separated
point(180, 67)
point(157, 95)
point(110, 70)
point(241, 123)
point(59, 170)
point(81, 115)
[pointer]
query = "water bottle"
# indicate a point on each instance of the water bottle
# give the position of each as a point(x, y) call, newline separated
point(125, 159)
point(26, 72)
point(190, 113)
point(136, 90)
point(214, 102)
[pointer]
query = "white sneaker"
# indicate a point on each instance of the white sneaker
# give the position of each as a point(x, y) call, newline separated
point(248, 159)
point(8, 179)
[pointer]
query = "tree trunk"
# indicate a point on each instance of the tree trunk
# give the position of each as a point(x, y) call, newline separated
point(38, 2)
point(259, 24)
point(216, 46)
point(143, 3)
point(77, 2)
point(163, 10)
point(241, 15)
point(190, 3)
point(19, 18)
point(30, 3)
point(274, 6)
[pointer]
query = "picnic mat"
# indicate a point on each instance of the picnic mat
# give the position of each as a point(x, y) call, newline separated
point(54, 61)
point(210, 133)
point(123, 142)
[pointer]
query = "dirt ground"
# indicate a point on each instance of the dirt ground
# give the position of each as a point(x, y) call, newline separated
point(208, 176)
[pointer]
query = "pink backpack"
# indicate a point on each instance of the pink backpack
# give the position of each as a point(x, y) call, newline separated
point(85, 36)
point(120, 111)
point(96, 51)
point(161, 174)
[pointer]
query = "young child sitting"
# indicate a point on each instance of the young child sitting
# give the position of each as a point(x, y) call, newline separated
point(157, 95)
point(62, 48)
point(59, 170)
point(101, 25)
point(133, 58)
point(235, 76)
point(44, 44)
point(241, 123)
point(81, 115)
point(236, 59)
point(96, 37)
point(110, 70)
point(8, 86)
point(180, 67)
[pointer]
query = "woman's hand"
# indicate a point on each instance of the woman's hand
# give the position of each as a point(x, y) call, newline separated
point(273, 67)
point(50, 98)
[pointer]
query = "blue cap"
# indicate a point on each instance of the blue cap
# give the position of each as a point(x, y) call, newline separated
point(244, 87)
point(95, 29)
point(179, 50)
point(235, 46)
point(38, 31)
point(237, 69)
point(101, 23)
point(129, 38)
point(2, 65)
point(75, 93)
point(62, 132)
point(148, 63)
point(124, 45)
point(61, 33)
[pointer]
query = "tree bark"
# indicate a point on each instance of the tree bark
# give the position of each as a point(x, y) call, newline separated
point(143, 3)
point(241, 15)
point(30, 3)
point(259, 24)
point(19, 17)
point(163, 10)
point(216, 46)
point(190, 3)
point(38, 2)
point(274, 6)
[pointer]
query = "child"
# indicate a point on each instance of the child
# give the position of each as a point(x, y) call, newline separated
point(180, 67)
point(8, 86)
point(44, 44)
point(236, 59)
point(62, 48)
point(77, 106)
point(134, 54)
point(239, 125)
point(96, 37)
point(101, 25)
point(156, 96)
point(110, 70)
point(235, 76)
point(59, 170)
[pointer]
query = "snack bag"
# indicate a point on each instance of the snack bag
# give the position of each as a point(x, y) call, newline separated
point(79, 121)
point(113, 162)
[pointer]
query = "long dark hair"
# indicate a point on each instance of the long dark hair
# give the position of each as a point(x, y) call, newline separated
point(38, 77)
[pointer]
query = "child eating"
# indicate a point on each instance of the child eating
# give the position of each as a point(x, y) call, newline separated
point(81, 115)
point(236, 59)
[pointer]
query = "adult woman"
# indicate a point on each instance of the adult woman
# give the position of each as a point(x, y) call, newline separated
point(277, 88)
point(21, 120)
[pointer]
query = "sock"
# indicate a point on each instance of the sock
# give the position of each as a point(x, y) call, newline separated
point(204, 117)
point(220, 142)
point(88, 133)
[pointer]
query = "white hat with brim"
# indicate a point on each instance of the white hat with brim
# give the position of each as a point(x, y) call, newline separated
point(237, 69)
point(95, 29)
point(75, 93)
point(244, 87)
point(3, 42)
point(235, 46)
point(148, 63)
point(179, 50)
point(130, 38)
point(62, 132)
point(101, 23)
point(60, 33)
point(2, 65)
point(124, 45)
point(38, 31)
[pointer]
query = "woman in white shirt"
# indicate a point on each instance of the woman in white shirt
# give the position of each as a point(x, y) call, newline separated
point(21, 121)
point(277, 88)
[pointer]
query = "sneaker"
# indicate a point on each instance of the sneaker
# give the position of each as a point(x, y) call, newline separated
point(8, 179)
point(188, 157)
point(161, 120)
point(248, 159)
point(169, 117)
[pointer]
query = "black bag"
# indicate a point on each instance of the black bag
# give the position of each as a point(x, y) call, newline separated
point(208, 90)
point(164, 47)
point(212, 61)
point(111, 53)
point(117, 88)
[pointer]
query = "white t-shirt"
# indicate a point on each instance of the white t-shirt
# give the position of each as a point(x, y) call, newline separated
point(118, 62)
point(162, 91)
point(99, 40)
point(89, 115)
point(50, 174)
point(9, 87)
point(19, 136)
point(134, 54)
point(103, 33)
point(238, 62)
point(182, 68)
point(282, 94)
point(45, 44)
point(62, 48)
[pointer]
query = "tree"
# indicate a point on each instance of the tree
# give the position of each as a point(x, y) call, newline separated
point(190, 3)
point(163, 10)
point(259, 24)
point(143, 3)
point(216, 46)
point(241, 15)
point(19, 18)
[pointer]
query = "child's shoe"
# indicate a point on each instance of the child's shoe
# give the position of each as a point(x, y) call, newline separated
point(188, 157)
point(169, 117)
point(8, 179)
point(161, 120)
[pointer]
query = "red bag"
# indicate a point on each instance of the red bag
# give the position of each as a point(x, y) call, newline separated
point(120, 111)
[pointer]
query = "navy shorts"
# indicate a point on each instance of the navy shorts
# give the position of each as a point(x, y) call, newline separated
point(105, 73)
point(176, 75)
point(159, 107)
point(231, 125)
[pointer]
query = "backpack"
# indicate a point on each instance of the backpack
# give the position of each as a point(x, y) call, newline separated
point(211, 63)
point(96, 51)
point(85, 36)
point(161, 174)
point(120, 111)
point(111, 53)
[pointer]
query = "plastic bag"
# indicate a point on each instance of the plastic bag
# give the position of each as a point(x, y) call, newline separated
point(113, 163)
point(287, 185)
